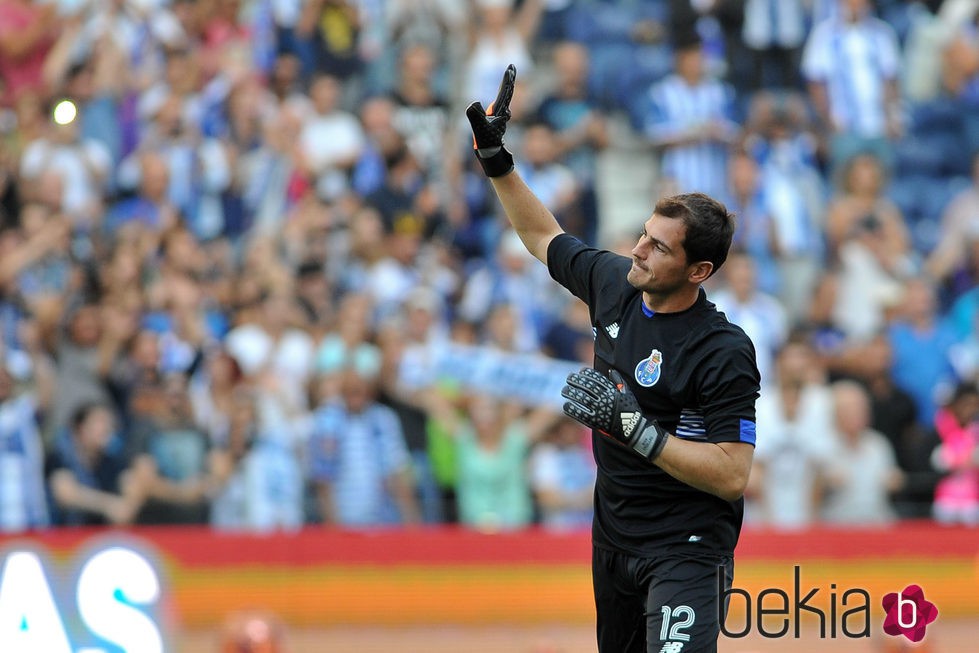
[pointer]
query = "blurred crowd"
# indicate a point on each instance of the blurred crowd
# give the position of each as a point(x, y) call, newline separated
point(250, 276)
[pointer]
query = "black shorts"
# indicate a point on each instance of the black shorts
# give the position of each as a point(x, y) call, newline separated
point(658, 605)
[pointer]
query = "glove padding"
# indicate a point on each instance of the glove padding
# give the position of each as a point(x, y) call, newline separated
point(609, 407)
point(489, 126)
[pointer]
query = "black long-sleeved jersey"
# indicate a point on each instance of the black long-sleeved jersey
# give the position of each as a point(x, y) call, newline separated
point(692, 371)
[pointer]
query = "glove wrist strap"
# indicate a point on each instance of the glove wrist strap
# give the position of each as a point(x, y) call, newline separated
point(650, 442)
point(496, 161)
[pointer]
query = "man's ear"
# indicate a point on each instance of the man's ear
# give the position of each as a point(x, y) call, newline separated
point(699, 272)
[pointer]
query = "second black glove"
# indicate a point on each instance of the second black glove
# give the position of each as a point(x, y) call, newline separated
point(610, 407)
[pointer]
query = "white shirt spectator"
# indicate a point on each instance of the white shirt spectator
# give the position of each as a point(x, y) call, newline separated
point(860, 476)
point(854, 60)
point(679, 107)
point(769, 23)
point(23, 504)
point(264, 493)
point(355, 453)
point(79, 166)
point(793, 452)
point(327, 140)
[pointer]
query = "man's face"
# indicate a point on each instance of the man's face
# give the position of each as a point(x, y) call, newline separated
point(659, 263)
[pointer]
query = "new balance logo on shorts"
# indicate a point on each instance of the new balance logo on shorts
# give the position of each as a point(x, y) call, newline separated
point(613, 330)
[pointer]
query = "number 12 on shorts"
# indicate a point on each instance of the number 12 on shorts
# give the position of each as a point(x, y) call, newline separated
point(675, 621)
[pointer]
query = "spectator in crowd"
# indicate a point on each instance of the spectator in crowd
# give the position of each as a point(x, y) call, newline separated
point(795, 440)
point(580, 127)
point(215, 388)
point(274, 353)
point(23, 501)
point(253, 482)
point(359, 462)
point(331, 139)
point(959, 232)
point(755, 233)
point(499, 35)
point(174, 452)
point(894, 414)
point(421, 114)
point(493, 441)
point(921, 344)
point(780, 139)
point(691, 123)
point(862, 473)
point(851, 63)
point(774, 32)
point(509, 277)
point(91, 477)
point(562, 477)
point(329, 30)
point(27, 33)
point(80, 166)
point(869, 241)
point(758, 313)
point(957, 426)
point(92, 338)
point(553, 181)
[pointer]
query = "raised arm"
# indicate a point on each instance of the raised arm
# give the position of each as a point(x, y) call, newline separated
point(532, 221)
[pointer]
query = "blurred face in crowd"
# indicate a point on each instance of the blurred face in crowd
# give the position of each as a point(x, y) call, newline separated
point(377, 116)
point(741, 276)
point(690, 63)
point(878, 356)
point(154, 177)
point(95, 431)
point(325, 93)
point(852, 408)
point(966, 407)
point(501, 326)
point(853, 10)
point(794, 364)
point(417, 63)
point(539, 146)
point(285, 74)
point(169, 117)
point(485, 413)
point(6, 382)
point(358, 389)
point(919, 300)
point(84, 327)
point(145, 349)
point(571, 67)
point(865, 175)
point(744, 175)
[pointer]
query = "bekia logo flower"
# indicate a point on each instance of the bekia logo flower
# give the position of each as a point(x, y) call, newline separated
point(908, 613)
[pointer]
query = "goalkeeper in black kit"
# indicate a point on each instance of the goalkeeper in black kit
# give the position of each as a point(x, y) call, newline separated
point(671, 401)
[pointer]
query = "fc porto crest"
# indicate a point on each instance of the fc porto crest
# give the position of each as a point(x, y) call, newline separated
point(648, 369)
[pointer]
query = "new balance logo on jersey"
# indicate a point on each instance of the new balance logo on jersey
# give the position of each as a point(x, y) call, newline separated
point(613, 330)
point(629, 421)
point(672, 647)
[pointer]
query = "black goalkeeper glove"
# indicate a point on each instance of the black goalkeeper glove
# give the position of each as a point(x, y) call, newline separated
point(609, 407)
point(489, 126)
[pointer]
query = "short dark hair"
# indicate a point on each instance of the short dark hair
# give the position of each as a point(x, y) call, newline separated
point(710, 227)
point(82, 413)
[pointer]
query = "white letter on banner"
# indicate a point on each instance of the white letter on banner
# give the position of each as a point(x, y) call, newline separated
point(110, 583)
point(29, 620)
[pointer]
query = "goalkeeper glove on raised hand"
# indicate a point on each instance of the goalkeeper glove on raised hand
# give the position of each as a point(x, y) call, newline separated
point(489, 126)
point(609, 407)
